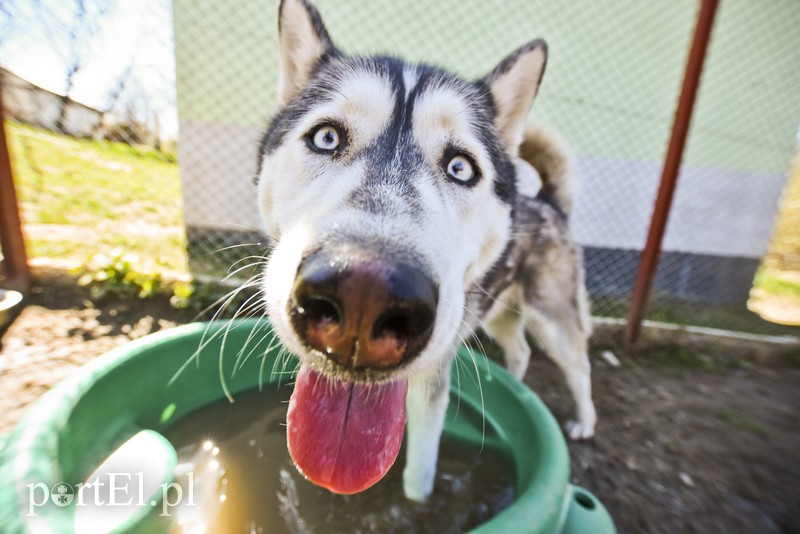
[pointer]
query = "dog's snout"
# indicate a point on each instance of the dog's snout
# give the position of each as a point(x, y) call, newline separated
point(363, 313)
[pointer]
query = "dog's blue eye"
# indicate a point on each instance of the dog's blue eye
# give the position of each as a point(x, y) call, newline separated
point(460, 168)
point(326, 138)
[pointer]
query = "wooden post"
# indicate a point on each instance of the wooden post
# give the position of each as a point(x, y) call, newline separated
point(15, 258)
point(651, 254)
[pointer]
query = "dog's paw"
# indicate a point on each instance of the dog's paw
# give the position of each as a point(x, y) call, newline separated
point(418, 483)
point(416, 495)
point(579, 431)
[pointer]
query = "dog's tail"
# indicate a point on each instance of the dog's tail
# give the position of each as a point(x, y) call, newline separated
point(547, 152)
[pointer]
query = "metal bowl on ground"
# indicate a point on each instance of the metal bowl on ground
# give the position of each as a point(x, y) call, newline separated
point(9, 301)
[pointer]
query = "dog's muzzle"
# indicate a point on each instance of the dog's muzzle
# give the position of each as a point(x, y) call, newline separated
point(363, 312)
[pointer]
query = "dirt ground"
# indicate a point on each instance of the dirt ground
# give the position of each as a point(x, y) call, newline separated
point(687, 441)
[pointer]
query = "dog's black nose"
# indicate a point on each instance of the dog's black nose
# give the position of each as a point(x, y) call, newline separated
point(363, 312)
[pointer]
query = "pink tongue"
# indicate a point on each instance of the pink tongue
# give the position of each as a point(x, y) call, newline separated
point(345, 436)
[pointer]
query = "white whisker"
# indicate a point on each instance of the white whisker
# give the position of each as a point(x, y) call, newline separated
point(261, 323)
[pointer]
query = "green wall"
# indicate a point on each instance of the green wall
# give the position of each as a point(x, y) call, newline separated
point(614, 72)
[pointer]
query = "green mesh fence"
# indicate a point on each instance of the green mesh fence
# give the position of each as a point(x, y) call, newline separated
point(612, 82)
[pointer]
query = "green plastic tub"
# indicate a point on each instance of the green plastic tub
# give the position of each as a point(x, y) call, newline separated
point(85, 418)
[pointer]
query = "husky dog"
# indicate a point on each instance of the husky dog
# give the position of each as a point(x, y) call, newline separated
point(393, 193)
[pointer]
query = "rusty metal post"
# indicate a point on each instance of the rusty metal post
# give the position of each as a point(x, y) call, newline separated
point(648, 265)
point(15, 258)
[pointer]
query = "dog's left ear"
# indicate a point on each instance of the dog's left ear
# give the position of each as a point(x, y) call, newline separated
point(303, 42)
point(513, 85)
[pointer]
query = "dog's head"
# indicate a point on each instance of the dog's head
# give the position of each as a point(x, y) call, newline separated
point(389, 188)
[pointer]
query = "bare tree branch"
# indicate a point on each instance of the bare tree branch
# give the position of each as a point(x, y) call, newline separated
point(86, 25)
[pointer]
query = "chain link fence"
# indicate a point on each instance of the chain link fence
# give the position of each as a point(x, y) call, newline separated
point(612, 81)
point(89, 98)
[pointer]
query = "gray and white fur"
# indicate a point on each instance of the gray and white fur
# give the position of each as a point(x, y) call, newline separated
point(373, 157)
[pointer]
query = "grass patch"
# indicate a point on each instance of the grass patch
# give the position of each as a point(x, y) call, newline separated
point(775, 283)
point(115, 277)
point(81, 197)
point(669, 309)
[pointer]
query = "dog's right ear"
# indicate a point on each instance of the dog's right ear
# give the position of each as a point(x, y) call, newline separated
point(303, 42)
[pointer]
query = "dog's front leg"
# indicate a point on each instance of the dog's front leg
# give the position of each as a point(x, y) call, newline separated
point(428, 395)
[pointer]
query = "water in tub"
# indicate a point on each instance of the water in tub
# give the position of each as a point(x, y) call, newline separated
point(236, 476)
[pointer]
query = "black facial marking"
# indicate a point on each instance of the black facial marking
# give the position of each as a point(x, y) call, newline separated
point(321, 88)
point(393, 155)
point(393, 158)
